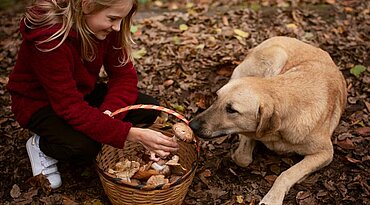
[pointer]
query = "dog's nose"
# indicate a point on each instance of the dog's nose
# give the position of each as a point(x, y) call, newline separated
point(194, 125)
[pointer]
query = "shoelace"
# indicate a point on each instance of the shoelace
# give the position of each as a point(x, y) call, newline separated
point(49, 164)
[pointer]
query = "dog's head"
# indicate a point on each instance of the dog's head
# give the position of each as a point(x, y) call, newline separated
point(241, 107)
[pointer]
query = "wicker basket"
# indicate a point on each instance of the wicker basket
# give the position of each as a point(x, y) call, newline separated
point(120, 192)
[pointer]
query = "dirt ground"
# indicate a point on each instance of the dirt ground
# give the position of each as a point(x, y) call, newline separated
point(186, 51)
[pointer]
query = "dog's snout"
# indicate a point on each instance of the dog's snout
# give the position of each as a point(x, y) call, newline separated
point(195, 125)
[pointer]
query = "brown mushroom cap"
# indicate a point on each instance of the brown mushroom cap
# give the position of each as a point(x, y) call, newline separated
point(183, 132)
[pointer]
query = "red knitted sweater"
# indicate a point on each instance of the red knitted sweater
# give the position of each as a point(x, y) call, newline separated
point(61, 79)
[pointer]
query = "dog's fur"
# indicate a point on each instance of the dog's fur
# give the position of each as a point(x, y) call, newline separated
point(287, 94)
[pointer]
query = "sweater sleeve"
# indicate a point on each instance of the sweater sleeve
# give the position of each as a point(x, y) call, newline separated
point(122, 84)
point(54, 70)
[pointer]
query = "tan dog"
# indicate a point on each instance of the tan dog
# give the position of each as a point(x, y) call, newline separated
point(287, 94)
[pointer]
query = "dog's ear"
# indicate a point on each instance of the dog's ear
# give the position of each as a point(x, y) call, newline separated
point(268, 120)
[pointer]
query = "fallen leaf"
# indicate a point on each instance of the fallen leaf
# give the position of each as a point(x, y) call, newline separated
point(201, 103)
point(68, 201)
point(357, 70)
point(255, 6)
point(137, 54)
point(40, 181)
point(225, 71)
point(225, 20)
point(322, 193)
point(200, 46)
point(158, 3)
point(168, 82)
point(241, 40)
point(207, 173)
point(4, 80)
point(178, 108)
point(183, 27)
point(133, 29)
point(189, 5)
point(288, 161)
point(348, 9)
point(275, 169)
point(270, 179)
point(203, 176)
point(176, 40)
point(344, 136)
point(346, 144)
point(216, 192)
point(363, 131)
point(355, 161)
point(239, 199)
point(330, 1)
point(15, 192)
point(367, 106)
point(94, 202)
point(302, 195)
point(291, 25)
point(241, 33)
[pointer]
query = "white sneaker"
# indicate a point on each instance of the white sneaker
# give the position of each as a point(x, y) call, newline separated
point(43, 164)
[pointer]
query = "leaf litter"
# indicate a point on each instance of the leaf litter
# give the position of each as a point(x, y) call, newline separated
point(184, 53)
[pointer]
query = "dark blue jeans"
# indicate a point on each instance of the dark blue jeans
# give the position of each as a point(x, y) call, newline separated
point(60, 141)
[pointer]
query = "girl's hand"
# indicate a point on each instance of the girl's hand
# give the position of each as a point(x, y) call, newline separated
point(155, 142)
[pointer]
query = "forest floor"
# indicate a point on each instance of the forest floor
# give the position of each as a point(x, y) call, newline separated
point(184, 53)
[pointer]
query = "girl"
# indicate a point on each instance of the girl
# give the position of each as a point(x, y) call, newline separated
point(54, 86)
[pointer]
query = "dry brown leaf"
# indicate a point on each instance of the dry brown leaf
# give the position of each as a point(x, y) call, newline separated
point(270, 178)
point(302, 195)
point(352, 160)
point(40, 181)
point(363, 131)
point(346, 144)
point(15, 192)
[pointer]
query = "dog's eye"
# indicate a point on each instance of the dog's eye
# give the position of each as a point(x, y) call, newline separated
point(230, 109)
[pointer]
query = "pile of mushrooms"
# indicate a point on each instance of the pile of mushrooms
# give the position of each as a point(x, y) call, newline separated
point(157, 171)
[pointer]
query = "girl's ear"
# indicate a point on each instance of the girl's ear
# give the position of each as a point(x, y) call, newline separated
point(86, 6)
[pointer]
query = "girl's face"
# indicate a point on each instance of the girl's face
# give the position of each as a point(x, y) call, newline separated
point(101, 23)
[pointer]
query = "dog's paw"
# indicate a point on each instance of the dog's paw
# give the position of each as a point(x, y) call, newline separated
point(269, 203)
point(271, 200)
point(240, 160)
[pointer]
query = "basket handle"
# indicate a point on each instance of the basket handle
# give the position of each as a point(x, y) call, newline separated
point(150, 107)
point(160, 108)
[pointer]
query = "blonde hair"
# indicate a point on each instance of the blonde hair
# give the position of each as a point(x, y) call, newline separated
point(70, 15)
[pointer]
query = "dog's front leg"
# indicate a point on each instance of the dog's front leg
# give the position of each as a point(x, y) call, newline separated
point(288, 178)
point(243, 154)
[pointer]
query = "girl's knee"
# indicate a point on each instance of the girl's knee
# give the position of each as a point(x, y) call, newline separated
point(85, 153)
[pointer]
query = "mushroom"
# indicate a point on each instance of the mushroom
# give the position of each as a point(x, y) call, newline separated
point(145, 172)
point(183, 132)
point(157, 180)
point(175, 167)
point(125, 170)
point(171, 166)
point(161, 167)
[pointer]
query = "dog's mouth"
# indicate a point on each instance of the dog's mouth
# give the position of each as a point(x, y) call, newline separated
point(220, 133)
point(202, 132)
point(208, 134)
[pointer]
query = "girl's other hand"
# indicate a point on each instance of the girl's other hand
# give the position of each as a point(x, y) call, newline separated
point(155, 142)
